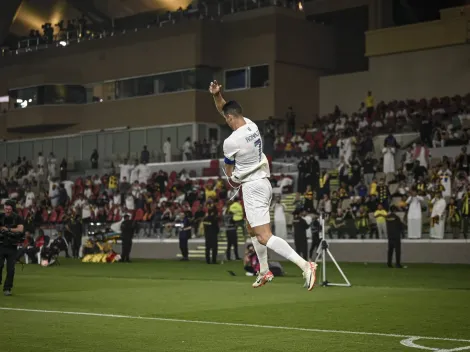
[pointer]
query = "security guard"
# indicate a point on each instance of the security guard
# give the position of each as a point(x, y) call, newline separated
point(11, 233)
point(394, 231)
point(185, 235)
point(127, 233)
point(211, 232)
point(232, 236)
point(300, 235)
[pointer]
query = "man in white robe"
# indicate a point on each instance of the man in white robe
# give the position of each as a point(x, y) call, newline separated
point(389, 163)
point(438, 219)
point(446, 180)
point(280, 223)
point(414, 215)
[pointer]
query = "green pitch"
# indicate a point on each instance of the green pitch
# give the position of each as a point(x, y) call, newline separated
point(178, 306)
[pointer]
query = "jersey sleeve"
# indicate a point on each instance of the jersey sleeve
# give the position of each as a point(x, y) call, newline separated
point(230, 150)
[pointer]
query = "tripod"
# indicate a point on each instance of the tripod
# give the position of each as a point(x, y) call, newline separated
point(322, 251)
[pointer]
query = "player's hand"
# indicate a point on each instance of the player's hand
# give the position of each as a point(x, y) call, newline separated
point(214, 88)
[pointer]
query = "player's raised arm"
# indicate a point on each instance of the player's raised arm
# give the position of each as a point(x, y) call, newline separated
point(215, 89)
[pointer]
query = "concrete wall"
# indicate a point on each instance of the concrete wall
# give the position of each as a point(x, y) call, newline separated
point(412, 75)
point(361, 251)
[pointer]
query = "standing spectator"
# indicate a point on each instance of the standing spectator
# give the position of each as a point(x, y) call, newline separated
point(94, 159)
point(414, 215)
point(422, 155)
point(135, 172)
point(125, 171)
point(51, 165)
point(381, 219)
point(214, 147)
point(280, 224)
point(144, 155)
point(167, 150)
point(63, 170)
point(389, 162)
point(438, 219)
point(187, 150)
point(454, 218)
point(368, 169)
point(41, 160)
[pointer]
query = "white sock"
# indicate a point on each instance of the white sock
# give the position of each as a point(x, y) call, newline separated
point(281, 247)
point(262, 253)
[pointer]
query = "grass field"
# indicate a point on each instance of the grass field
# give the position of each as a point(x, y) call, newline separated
point(192, 306)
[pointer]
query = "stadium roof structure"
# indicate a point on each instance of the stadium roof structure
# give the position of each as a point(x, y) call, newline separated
point(18, 17)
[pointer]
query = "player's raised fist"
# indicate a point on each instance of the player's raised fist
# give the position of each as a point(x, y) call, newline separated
point(214, 87)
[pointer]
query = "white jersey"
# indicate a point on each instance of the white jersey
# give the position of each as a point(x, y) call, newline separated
point(244, 148)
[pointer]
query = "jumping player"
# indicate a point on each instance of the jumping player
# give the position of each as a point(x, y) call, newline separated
point(246, 164)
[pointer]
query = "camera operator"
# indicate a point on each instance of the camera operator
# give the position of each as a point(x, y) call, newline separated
point(11, 233)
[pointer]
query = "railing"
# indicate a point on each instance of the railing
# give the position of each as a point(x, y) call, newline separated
point(212, 12)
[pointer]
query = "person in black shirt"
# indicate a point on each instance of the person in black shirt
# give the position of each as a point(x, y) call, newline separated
point(211, 232)
point(198, 217)
point(394, 232)
point(11, 228)
point(300, 235)
point(315, 227)
point(127, 234)
point(232, 236)
point(185, 235)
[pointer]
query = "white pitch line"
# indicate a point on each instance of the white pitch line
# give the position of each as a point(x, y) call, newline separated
point(230, 324)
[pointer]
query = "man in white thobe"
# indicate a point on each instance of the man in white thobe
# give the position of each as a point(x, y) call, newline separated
point(414, 215)
point(125, 171)
point(446, 181)
point(135, 173)
point(167, 150)
point(438, 219)
point(389, 163)
point(280, 224)
point(144, 173)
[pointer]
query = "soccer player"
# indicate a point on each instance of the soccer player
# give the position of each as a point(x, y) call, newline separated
point(246, 164)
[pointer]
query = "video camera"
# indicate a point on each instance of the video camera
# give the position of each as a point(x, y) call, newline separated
point(9, 238)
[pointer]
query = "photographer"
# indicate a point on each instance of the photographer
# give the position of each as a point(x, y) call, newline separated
point(11, 233)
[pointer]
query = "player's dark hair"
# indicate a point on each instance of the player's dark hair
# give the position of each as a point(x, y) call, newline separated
point(233, 108)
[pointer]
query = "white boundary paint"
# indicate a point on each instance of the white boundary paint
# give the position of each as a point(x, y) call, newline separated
point(407, 341)
point(410, 342)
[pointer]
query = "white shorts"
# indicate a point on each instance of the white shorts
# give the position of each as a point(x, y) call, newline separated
point(257, 197)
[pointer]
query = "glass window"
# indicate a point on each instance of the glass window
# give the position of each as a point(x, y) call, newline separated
point(235, 79)
point(168, 82)
point(259, 76)
point(126, 89)
point(63, 94)
point(145, 86)
point(21, 98)
point(189, 79)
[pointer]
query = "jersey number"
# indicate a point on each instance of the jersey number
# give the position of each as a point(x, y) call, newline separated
point(258, 144)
